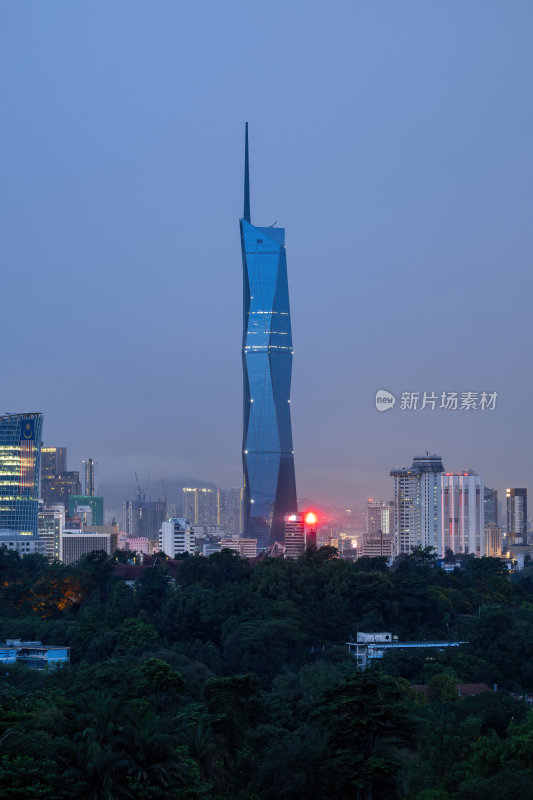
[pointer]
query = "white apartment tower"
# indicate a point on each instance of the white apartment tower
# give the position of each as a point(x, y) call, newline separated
point(176, 537)
point(417, 502)
point(463, 523)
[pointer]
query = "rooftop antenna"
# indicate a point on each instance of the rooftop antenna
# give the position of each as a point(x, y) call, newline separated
point(246, 214)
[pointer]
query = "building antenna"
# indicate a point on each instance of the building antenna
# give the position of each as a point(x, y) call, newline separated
point(246, 215)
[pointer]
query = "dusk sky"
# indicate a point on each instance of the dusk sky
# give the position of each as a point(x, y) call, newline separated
point(392, 140)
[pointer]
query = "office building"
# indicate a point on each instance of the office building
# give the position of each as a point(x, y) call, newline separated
point(89, 477)
point(141, 519)
point(53, 463)
point(176, 537)
point(57, 483)
point(300, 533)
point(490, 505)
point(516, 516)
point(50, 524)
point(200, 506)
point(246, 548)
point(75, 544)
point(89, 508)
point(60, 488)
point(463, 514)
point(20, 462)
point(267, 451)
point(417, 504)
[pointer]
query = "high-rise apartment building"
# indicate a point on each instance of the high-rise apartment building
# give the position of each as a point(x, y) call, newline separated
point(20, 463)
point(490, 504)
point(267, 450)
point(493, 540)
point(230, 510)
point(141, 519)
point(379, 516)
point(516, 515)
point(176, 537)
point(51, 524)
point(200, 506)
point(417, 506)
point(89, 477)
point(463, 514)
point(378, 538)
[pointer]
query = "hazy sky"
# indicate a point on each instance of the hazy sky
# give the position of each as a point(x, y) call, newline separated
point(392, 140)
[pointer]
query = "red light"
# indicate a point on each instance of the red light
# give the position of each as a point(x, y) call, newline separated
point(310, 518)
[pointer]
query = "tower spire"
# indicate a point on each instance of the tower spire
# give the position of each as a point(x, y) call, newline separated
point(246, 214)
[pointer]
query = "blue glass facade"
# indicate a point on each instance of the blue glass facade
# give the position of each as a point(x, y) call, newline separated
point(268, 460)
point(20, 461)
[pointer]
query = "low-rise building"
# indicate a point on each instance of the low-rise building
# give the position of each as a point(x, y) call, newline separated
point(22, 543)
point(246, 548)
point(33, 654)
point(370, 646)
point(75, 544)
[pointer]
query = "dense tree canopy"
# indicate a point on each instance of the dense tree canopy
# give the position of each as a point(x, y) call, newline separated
point(217, 680)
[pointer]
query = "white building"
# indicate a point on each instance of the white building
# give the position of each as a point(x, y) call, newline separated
point(176, 536)
point(462, 513)
point(50, 526)
point(417, 504)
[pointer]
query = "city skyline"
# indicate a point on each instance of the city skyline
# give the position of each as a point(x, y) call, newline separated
point(404, 181)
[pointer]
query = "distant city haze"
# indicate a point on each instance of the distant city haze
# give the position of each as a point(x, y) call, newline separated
point(392, 141)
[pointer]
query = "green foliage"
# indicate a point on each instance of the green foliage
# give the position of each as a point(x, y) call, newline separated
point(229, 682)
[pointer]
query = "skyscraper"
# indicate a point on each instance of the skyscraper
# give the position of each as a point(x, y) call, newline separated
point(89, 477)
point(463, 527)
point(516, 515)
point(417, 494)
point(20, 463)
point(267, 450)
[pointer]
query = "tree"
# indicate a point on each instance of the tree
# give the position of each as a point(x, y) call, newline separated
point(366, 720)
point(160, 679)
